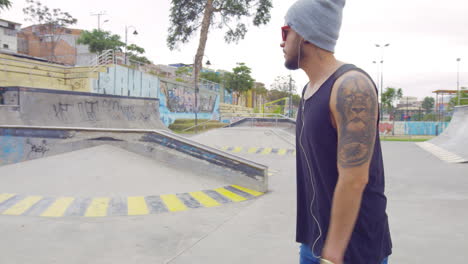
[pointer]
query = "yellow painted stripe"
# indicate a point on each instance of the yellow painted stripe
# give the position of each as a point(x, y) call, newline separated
point(5, 196)
point(252, 192)
point(234, 197)
point(224, 148)
point(58, 208)
point(23, 205)
point(204, 199)
point(173, 203)
point(98, 207)
point(237, 149)
point(266, 151)
point(282, 152)
point(252, 150)
point(137, 206)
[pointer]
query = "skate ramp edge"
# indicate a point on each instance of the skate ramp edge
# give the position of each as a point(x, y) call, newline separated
point(22, 143)
point(23, 106)
point(454, 139)
point(264, 122)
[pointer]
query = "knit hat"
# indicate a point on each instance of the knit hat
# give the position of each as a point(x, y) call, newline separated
point(317, 21)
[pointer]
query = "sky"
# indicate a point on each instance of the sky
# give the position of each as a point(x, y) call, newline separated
point(425, 36)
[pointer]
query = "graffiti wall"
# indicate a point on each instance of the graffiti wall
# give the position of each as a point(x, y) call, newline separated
point(412, 128)
point(125, 81)
point(177, 101)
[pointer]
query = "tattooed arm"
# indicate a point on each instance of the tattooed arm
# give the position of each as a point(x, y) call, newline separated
point(354, 108)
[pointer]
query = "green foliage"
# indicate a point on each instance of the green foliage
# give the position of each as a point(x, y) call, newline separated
point(429, 117)
point(428, 104)
point(49, 18)
point(239, 80)
point(274, 95)
point(186, 17)
point(212, 76)
point(260, 89)
point(5, 4)
point(390, 96)
point(463, 94)
point(183, 71)
point(135, 52)
point(99, 41)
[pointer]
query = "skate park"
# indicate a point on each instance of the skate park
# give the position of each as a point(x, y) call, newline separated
point(93, 171)
point(119, 188)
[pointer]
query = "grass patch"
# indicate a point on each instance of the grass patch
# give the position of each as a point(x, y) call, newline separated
point(407, 138)
point(182, 124)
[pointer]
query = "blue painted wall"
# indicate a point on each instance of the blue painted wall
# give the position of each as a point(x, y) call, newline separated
point(176, 100)
point(120, 80)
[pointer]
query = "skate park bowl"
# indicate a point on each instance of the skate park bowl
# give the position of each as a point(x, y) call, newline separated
point(452, 144)
point(43, 107)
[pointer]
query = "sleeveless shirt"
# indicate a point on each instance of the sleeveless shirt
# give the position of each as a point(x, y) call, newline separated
point(317, 175)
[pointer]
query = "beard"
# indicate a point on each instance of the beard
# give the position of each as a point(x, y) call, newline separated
point(292, 63)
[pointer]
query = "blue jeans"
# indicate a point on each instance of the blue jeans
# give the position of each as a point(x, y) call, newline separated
point(306, 256)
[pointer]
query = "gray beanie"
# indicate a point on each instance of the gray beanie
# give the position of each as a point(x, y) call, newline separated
point(317, 21)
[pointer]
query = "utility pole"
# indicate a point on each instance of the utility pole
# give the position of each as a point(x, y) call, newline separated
point(99, 18)
point(458, 80)
point(381, 76)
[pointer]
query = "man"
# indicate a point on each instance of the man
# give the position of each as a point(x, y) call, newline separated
point(341, 204)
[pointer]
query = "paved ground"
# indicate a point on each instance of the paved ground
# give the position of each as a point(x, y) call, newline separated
point(427, 209)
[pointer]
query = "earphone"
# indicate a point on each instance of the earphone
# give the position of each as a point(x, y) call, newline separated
point(307, 161)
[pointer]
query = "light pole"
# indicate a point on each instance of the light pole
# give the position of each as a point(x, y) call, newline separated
point(458, 80)
point(126, 40)
point(381, 76)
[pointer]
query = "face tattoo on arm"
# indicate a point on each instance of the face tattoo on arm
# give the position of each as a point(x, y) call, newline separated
point(357, 105)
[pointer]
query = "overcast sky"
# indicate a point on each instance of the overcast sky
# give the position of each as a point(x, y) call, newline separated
point(425, 39)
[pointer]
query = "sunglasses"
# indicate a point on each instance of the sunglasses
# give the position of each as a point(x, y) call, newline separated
point(284, 32)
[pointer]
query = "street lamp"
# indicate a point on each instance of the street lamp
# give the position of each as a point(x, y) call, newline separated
point(126, 39)
point(381, 76)
point(458, 80)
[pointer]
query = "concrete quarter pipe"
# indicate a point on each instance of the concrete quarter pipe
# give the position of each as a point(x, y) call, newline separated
point(452, 144)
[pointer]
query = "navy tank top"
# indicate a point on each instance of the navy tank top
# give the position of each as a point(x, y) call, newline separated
point(317, 175)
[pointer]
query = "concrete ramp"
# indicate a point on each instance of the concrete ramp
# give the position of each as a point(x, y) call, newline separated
point(286, 124)
point(42, 107)
point(452, 144)
point(21, 143)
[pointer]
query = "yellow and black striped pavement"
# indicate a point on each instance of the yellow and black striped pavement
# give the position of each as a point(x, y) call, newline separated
point(16, 204)
point(260, 151)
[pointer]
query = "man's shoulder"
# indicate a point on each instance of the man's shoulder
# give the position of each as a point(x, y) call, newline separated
point(354, 80)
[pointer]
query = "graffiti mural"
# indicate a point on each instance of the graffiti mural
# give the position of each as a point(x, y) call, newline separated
point(181, 99)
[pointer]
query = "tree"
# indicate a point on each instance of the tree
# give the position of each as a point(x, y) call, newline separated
point(185, 17)
point(283, 83)
point(136, 54)
point(428, 104)
point(5, 4)
point(463, 94)
point(99, 41)
point(239, 80)
point(390, 96)
point(52, 23)
point(212, 77)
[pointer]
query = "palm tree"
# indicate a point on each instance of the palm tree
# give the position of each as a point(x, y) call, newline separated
point(5, 4)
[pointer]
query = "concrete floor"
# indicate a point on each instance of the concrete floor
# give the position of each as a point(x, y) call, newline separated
point(427, 210)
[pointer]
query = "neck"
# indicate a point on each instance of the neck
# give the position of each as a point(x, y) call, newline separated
point(319, 65)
